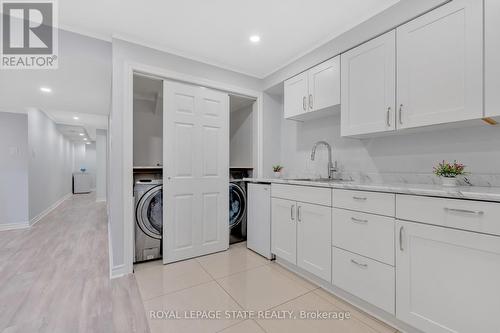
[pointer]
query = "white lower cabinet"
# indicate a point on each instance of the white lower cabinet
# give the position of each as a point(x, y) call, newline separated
point(284, 229)
point(301, 233)
point(367, 279)
point(314, 225)
point(447, 280)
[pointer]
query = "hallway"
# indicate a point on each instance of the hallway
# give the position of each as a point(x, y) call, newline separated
point(57, 273)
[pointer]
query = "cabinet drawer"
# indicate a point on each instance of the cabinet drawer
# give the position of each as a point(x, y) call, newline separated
point(367, 279)
point(366, 234)
point(368, 202)
point(310, 194)
point(470, 215)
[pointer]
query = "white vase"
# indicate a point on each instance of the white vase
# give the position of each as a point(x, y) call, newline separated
point(449, 181)
point(277, 174)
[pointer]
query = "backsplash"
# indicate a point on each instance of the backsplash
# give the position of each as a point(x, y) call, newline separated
point(401, 158)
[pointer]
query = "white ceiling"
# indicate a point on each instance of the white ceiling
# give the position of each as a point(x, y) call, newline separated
point(217, 31)
point(81, 84)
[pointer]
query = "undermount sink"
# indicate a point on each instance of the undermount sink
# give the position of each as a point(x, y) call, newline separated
point(319, 180)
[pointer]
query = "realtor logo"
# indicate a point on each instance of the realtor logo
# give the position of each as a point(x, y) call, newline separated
point(29, 34)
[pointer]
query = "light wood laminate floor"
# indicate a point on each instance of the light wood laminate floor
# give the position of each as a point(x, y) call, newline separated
point(54, 276)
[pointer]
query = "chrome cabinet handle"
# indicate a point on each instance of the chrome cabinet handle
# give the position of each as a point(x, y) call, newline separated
point(401, 114)
point(292, 209)
point(355, 220)
point(359, 198)
point(401, 239)
point(359, 264)
point(304, 103)
point(299, 213)
point(388, 120)
point(310, 101)
point(465, 211)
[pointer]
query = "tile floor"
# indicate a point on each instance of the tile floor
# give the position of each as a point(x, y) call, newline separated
point(239, 279)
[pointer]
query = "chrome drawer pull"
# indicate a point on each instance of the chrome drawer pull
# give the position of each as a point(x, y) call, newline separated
point(465, 211)
point(359, 264)
point(359, 198)
point(355, 220)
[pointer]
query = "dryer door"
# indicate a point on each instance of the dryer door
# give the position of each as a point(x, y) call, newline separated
point(149, 212)
point(237, 205)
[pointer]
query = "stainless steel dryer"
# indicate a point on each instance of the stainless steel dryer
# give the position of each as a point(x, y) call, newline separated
point(148, 195)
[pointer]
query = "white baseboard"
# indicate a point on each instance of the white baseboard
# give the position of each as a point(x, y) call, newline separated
point(118, 271)
point(13, 226)
point(49, 209)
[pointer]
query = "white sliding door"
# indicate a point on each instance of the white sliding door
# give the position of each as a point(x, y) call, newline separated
point(195, 172)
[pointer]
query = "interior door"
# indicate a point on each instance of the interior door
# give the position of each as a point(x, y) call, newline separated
point(324, 84)
point(440, 65)
point(195, 172)
point(447, 280)
point(295, 95)
point(368, 79)
point(314, 239)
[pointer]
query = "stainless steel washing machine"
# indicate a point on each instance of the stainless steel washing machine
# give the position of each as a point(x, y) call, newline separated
point(148, 193)
point(237, 211)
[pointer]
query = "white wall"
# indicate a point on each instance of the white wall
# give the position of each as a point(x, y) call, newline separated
point(124, 52)
point(79, 157)
point(272, 118)
point(13, 170)
point(405, 156)
point(101, 161)
point(148, 134)
point(241, 137)
point(90, 163)
point(50, 163)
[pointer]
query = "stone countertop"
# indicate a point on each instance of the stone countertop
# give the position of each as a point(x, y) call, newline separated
point(459, 192)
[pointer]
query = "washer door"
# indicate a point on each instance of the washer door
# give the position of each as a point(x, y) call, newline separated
point(237, 205)
point(149, 212)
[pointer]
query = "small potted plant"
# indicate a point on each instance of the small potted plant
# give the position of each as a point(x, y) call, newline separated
point(277, 170)
point(448, 172)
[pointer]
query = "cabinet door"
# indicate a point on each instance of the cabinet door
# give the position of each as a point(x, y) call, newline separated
point(324, 85)
point(492, 57)
point(296, 92)
point(368, 79)
point(314, 227)
point(447, 280)
point(439, 59)
point(284, 229)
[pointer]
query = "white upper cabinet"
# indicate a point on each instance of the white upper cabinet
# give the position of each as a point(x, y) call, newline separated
point(440, 66)
point(369, 87)
point(296, 94)
point(313, 90)
point(324, 85)
point(492, 57)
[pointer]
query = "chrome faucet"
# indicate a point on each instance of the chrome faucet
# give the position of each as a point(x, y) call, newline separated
point(331, 167)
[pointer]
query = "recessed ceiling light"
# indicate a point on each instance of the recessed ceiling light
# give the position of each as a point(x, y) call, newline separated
point(84, 139)
point(81, 134)
point(76, 118)
point(87, 143)
point(45, 89)
point(255, 38)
